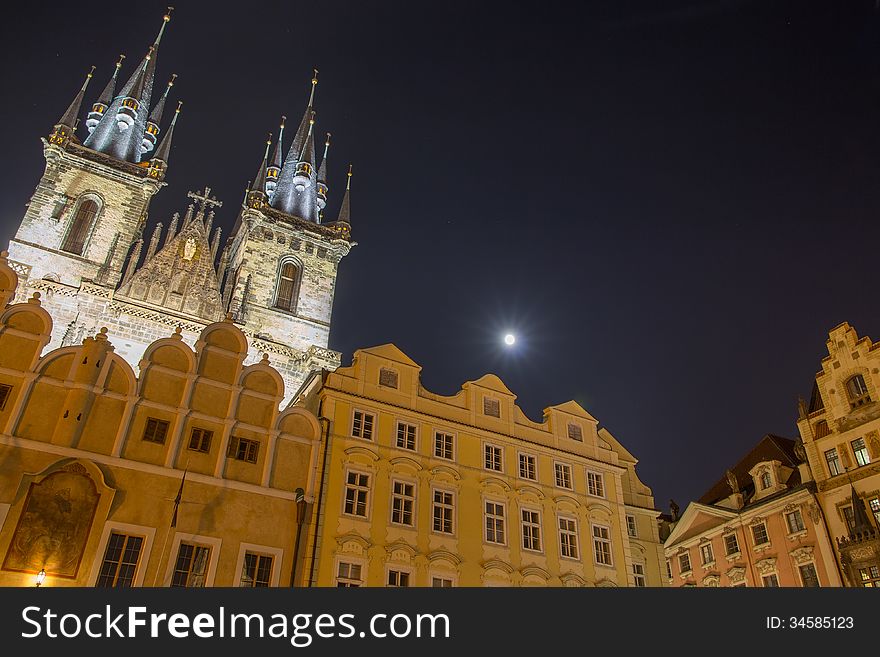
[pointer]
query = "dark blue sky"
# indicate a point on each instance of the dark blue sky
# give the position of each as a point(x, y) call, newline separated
point(670, 203)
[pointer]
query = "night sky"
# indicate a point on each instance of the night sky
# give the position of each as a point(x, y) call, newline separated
point(670, 203)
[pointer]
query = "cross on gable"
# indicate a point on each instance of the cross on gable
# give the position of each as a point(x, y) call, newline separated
point(204, 199)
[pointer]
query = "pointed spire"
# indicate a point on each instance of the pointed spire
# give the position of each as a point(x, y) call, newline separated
point(323, 188)
point(285, 194)
point(861, 522)
point(345, 208)
point(215, 243)
point(159, 161)
point(322, 172)
point(172, 229)
point(209, 223)
point(69, 118)
point(133, 260)
point(151, 134)
point(256, 195)
point(154, 242)
point(189, 214)
point(104, 99)
point(273, 169)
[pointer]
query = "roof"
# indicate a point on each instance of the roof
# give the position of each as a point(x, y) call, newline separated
point(770, 448)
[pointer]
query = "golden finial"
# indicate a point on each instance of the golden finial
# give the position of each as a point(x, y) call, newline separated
point(327, 143)
point(119, 63)
point(314, 84)
point(312, 118)
point(179, 105)
point(171, 81)
point(91, 72)
point(269, 139)
point(283, 119)
point(167, 16)
point(150, 53)
point(348, 184)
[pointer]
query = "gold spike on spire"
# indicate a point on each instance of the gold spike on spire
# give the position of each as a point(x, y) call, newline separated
point(326, 145)
point(88, 77)
point(171, 81)
point(314, 84)
point(165, 20)
point(119, 63)
point(348, 184)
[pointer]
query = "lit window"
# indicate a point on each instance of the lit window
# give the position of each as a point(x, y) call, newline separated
point(495, 523)
point(406, 436)
point(200, 440)
point(870, 576)
point(706, 554)
point(362, 425)
point(602, 545)
point(631, 526)
point(568, 538)
point(833, 462)
point(857, 391)
point(563, 475)
point(191, 566)
point(442, 512)
point(875, 509)
point(860, 451)
point(759, 534)
point(531, 530)
point(120, 561)
point(795, 521)
point(527, 467)
point(595, 484)
point(256, 571)
point(443, 445)
point(357, 488)
point(493, 458)
point(348, 575)
point(155, 430)
point(398, 579)
point(402, 502)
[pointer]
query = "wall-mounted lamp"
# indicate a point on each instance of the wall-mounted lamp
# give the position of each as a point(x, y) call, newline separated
point(41, 576)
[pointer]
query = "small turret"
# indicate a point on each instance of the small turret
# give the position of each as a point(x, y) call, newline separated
point(104, 99)
point(159, 161)
point(151, 134)
point(323, 188)
point(66, 126)
point(256, 196)
point(343, 222)
point(274, 168)
point(302, 178)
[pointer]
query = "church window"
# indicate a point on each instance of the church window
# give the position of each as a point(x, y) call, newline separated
point(287, 278)
point(4, 395)
point(857, 391)
point(75, 240)
point(155, 430)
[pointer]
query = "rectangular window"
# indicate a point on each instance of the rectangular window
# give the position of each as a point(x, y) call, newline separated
point(668, 569)
point(770, 581)
point(874, 505)
point(155, 430)
point(120, 561)
point(833, 462)
point(684, 562)
point(595, 484)
point(406, 436)
point(568, 538)
point(731, 544)
point(795, 521)
point(809, 578)
point(531, 530)
point(442, 512)
point(443, 445)
point(602, 544)
point(870, 576)
point(362, 425)
point(191, 566)
point(200, 440)
point(441, 583)
point(398, 579)
point(631, 526)
point(348, 575)
point(860, 451)
point(706, 554)
point(357, 489)
point(491, 407)
point(4, 395)
point(243, 449)
point(528, 467)
point(563, 475)
point(256, 572)
point(759, 534)
point(402, 502)
point(495, 523)
point(388, 378)
point(639, 575)
point(492, 458)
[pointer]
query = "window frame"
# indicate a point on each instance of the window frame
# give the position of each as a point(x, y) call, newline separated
point(285, 260)
point(601, 478)
point(707, 554)
point(727, 550)
point(503, 518)
point(373, 424)
point(574, 533)
point(165, 424)
point(277, 555)
point(350, 582)
point(497, 456)
point(534, 459)
point(203, 541)
point(148, 534)
point(833, 472)
point(234, 449)
point(400, 571)
point(89, 232)
point(538, 524)
point(368, 488)
point(452, 506)
point(861, 455)
point(452, 441)
point(800, 570)
point(639, 576)
point(596, 540)
point(754, 526)
point(565, 468)
point(632, 528)
point(5, 394)
point(413, 499)
point(203, 446)
point(690, 566)
point(796, 513)
point(415, 435)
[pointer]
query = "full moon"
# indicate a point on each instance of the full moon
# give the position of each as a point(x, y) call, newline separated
point(509, 339)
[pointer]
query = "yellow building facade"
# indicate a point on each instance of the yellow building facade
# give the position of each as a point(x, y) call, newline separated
point(421, 489)
point(184, 475)
point(840, 430)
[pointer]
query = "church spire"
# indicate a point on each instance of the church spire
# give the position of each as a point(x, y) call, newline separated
point(343, 223)
point(159, 161)
point(66, 125)
point(104, 99)
point(256, 197)
point(323, 188)
point(120, 131)
point(275, 167)
point(151, 134)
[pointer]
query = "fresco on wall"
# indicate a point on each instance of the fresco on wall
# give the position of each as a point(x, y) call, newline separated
point(54, 524)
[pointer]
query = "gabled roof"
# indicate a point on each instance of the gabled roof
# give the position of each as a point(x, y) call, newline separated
point(490, 382)
point(390, 352)
point(698, 519)
point(572, 408)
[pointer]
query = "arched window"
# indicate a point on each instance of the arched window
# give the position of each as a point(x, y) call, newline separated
point(857, 391)
point(287, 279)
point(79, 229)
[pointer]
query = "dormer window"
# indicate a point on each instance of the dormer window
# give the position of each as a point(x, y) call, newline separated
point(491, 407)
point(857, 391)
point(766, 481)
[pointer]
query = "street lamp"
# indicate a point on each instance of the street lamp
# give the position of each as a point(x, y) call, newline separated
point(300, 497)
point(41, 576)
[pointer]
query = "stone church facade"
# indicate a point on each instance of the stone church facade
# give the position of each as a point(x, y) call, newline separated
point(82, 241)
